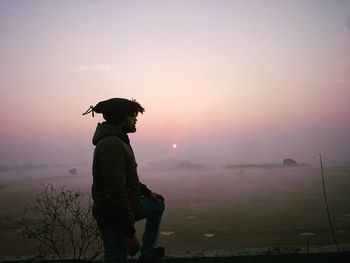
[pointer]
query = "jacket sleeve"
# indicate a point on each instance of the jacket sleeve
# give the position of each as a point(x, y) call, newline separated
point(112, 166)
point(144, 190)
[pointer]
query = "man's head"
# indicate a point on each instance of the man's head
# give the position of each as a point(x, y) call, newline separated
point(121, 112)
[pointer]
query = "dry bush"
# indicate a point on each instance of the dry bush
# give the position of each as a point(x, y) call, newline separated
point(62, 223)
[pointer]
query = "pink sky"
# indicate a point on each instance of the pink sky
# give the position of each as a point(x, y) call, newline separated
point(228, 81)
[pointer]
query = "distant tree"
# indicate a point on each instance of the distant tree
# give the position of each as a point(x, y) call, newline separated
point(62, 223)
point(73, 171)
point(289, 162)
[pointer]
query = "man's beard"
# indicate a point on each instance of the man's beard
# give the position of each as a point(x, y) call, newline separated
point(129, 129)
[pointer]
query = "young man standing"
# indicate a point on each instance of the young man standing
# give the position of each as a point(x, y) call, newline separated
point(119, 197)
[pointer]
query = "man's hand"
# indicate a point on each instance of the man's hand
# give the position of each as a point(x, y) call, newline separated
point(133, 245)
point(155, 197)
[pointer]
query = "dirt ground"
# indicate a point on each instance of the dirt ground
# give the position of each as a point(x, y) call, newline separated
point(288, 258)
point(311, 258)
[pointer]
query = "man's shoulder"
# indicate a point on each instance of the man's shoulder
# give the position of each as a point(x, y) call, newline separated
point(111, 139)
point(111, 144)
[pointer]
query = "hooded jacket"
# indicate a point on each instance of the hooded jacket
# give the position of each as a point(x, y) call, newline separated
point(116, 189)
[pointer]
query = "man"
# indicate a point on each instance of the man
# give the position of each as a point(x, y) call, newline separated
point(119, 197)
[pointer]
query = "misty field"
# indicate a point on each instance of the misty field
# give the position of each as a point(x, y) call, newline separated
point(213, 209)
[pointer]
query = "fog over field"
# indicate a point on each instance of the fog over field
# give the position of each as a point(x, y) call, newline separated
point(211, 208)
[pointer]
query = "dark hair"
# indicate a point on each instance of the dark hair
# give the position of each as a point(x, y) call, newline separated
point(115, 110)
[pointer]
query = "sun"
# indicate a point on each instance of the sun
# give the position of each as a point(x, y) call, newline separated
point(174, 145)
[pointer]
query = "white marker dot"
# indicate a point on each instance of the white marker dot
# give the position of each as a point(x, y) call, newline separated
point(167, 233)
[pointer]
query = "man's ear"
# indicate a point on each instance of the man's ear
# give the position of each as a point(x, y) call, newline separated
point(123, 122)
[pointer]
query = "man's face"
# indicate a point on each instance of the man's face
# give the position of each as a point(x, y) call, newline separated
point(130, 124)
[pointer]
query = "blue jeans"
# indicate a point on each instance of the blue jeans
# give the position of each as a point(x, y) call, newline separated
point(114, 240)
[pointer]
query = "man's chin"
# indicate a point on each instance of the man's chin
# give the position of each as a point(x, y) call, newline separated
point(129, 130)
point(132, 130)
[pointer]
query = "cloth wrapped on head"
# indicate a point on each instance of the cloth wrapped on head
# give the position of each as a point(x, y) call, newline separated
point(116, 109)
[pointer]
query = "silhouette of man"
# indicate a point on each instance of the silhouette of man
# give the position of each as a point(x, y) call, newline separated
point(119, 199)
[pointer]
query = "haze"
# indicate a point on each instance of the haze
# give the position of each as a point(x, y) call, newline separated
point(226, 81)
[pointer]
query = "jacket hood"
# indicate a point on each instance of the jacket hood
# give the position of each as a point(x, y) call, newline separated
point(107, 129)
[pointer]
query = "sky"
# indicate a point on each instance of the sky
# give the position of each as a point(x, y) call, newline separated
point(229, 82)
